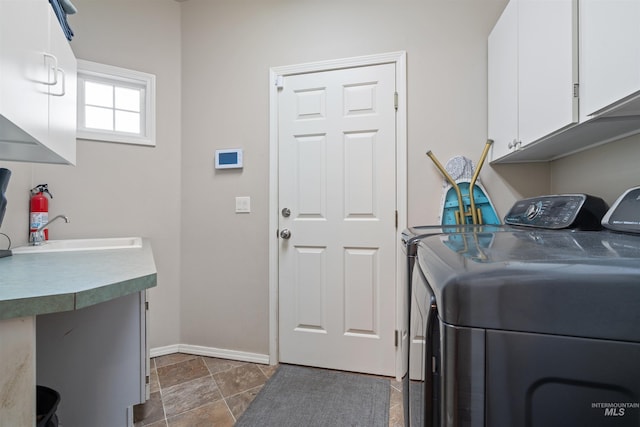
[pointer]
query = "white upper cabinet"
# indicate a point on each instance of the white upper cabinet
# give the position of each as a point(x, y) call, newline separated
point(547, 67)
point(24, 73)
point(503, 82)
point(558, 113)
point(37, 85)
point(62, 96)
point(609, 54)
point(533, 67)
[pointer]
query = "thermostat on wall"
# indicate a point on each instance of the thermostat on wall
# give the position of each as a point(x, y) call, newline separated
point(229, 159)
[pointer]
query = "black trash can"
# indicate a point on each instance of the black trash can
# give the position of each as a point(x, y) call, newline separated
point(47, 401)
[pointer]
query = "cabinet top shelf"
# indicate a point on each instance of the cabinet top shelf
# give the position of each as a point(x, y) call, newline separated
point(576, 138)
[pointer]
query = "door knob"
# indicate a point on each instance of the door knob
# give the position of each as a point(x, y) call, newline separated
point(285, 234)
point(286, 212)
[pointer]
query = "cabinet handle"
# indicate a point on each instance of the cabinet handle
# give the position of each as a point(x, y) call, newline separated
point(55, 69)
point(515, 144)
point(64, 86)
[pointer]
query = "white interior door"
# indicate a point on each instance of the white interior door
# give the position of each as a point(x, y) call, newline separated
point(337, 178)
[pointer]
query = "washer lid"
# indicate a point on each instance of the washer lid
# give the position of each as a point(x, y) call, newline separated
point(576, 283)
point(412, 234)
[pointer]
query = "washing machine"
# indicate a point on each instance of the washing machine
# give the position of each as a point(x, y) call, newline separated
point(416, 304)
point(534, 323)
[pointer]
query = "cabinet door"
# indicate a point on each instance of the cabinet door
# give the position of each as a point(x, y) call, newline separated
point(503, 81)
point(547, 67)
point(24, 26)
point(92, 357)
point(610, 52)
point(62, 96)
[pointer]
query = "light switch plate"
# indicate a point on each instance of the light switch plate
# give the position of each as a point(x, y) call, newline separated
point(243, 204)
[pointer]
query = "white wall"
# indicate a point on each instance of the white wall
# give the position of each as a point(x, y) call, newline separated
point(116, 189)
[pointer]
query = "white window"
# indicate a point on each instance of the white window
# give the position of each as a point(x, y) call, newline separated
point(116, 104)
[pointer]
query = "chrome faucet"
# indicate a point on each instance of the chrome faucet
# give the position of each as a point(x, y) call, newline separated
point(37, 237)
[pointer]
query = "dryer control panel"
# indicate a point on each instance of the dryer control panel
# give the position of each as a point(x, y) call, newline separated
point(580, 211)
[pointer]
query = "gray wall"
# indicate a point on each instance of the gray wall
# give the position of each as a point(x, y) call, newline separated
point(212, 59)
point(605, 171)
point(228, 47)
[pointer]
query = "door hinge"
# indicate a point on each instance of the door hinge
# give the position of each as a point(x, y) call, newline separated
point(397, 338)
point(576, 90)
point(396, 220)
point(279, 82)
point(395, 100)
point(146, 305)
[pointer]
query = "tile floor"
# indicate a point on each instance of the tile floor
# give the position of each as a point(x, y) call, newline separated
point(198, 391)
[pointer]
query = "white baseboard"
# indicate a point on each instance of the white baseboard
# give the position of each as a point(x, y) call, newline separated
point(163, 351)
point(198, 350)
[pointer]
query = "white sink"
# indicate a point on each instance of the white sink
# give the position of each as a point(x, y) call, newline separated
point(81, 245)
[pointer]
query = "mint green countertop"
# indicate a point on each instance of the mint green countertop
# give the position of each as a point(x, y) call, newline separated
point(60, 281)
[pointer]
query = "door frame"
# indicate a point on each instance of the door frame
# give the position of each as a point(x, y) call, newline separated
point(276, 74)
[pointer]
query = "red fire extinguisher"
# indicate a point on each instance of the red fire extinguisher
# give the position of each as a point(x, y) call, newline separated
point(39, 209)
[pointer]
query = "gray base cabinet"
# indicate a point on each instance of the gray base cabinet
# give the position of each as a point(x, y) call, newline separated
point(96, 358)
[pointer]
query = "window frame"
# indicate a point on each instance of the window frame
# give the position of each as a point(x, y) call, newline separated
point(118, 77)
